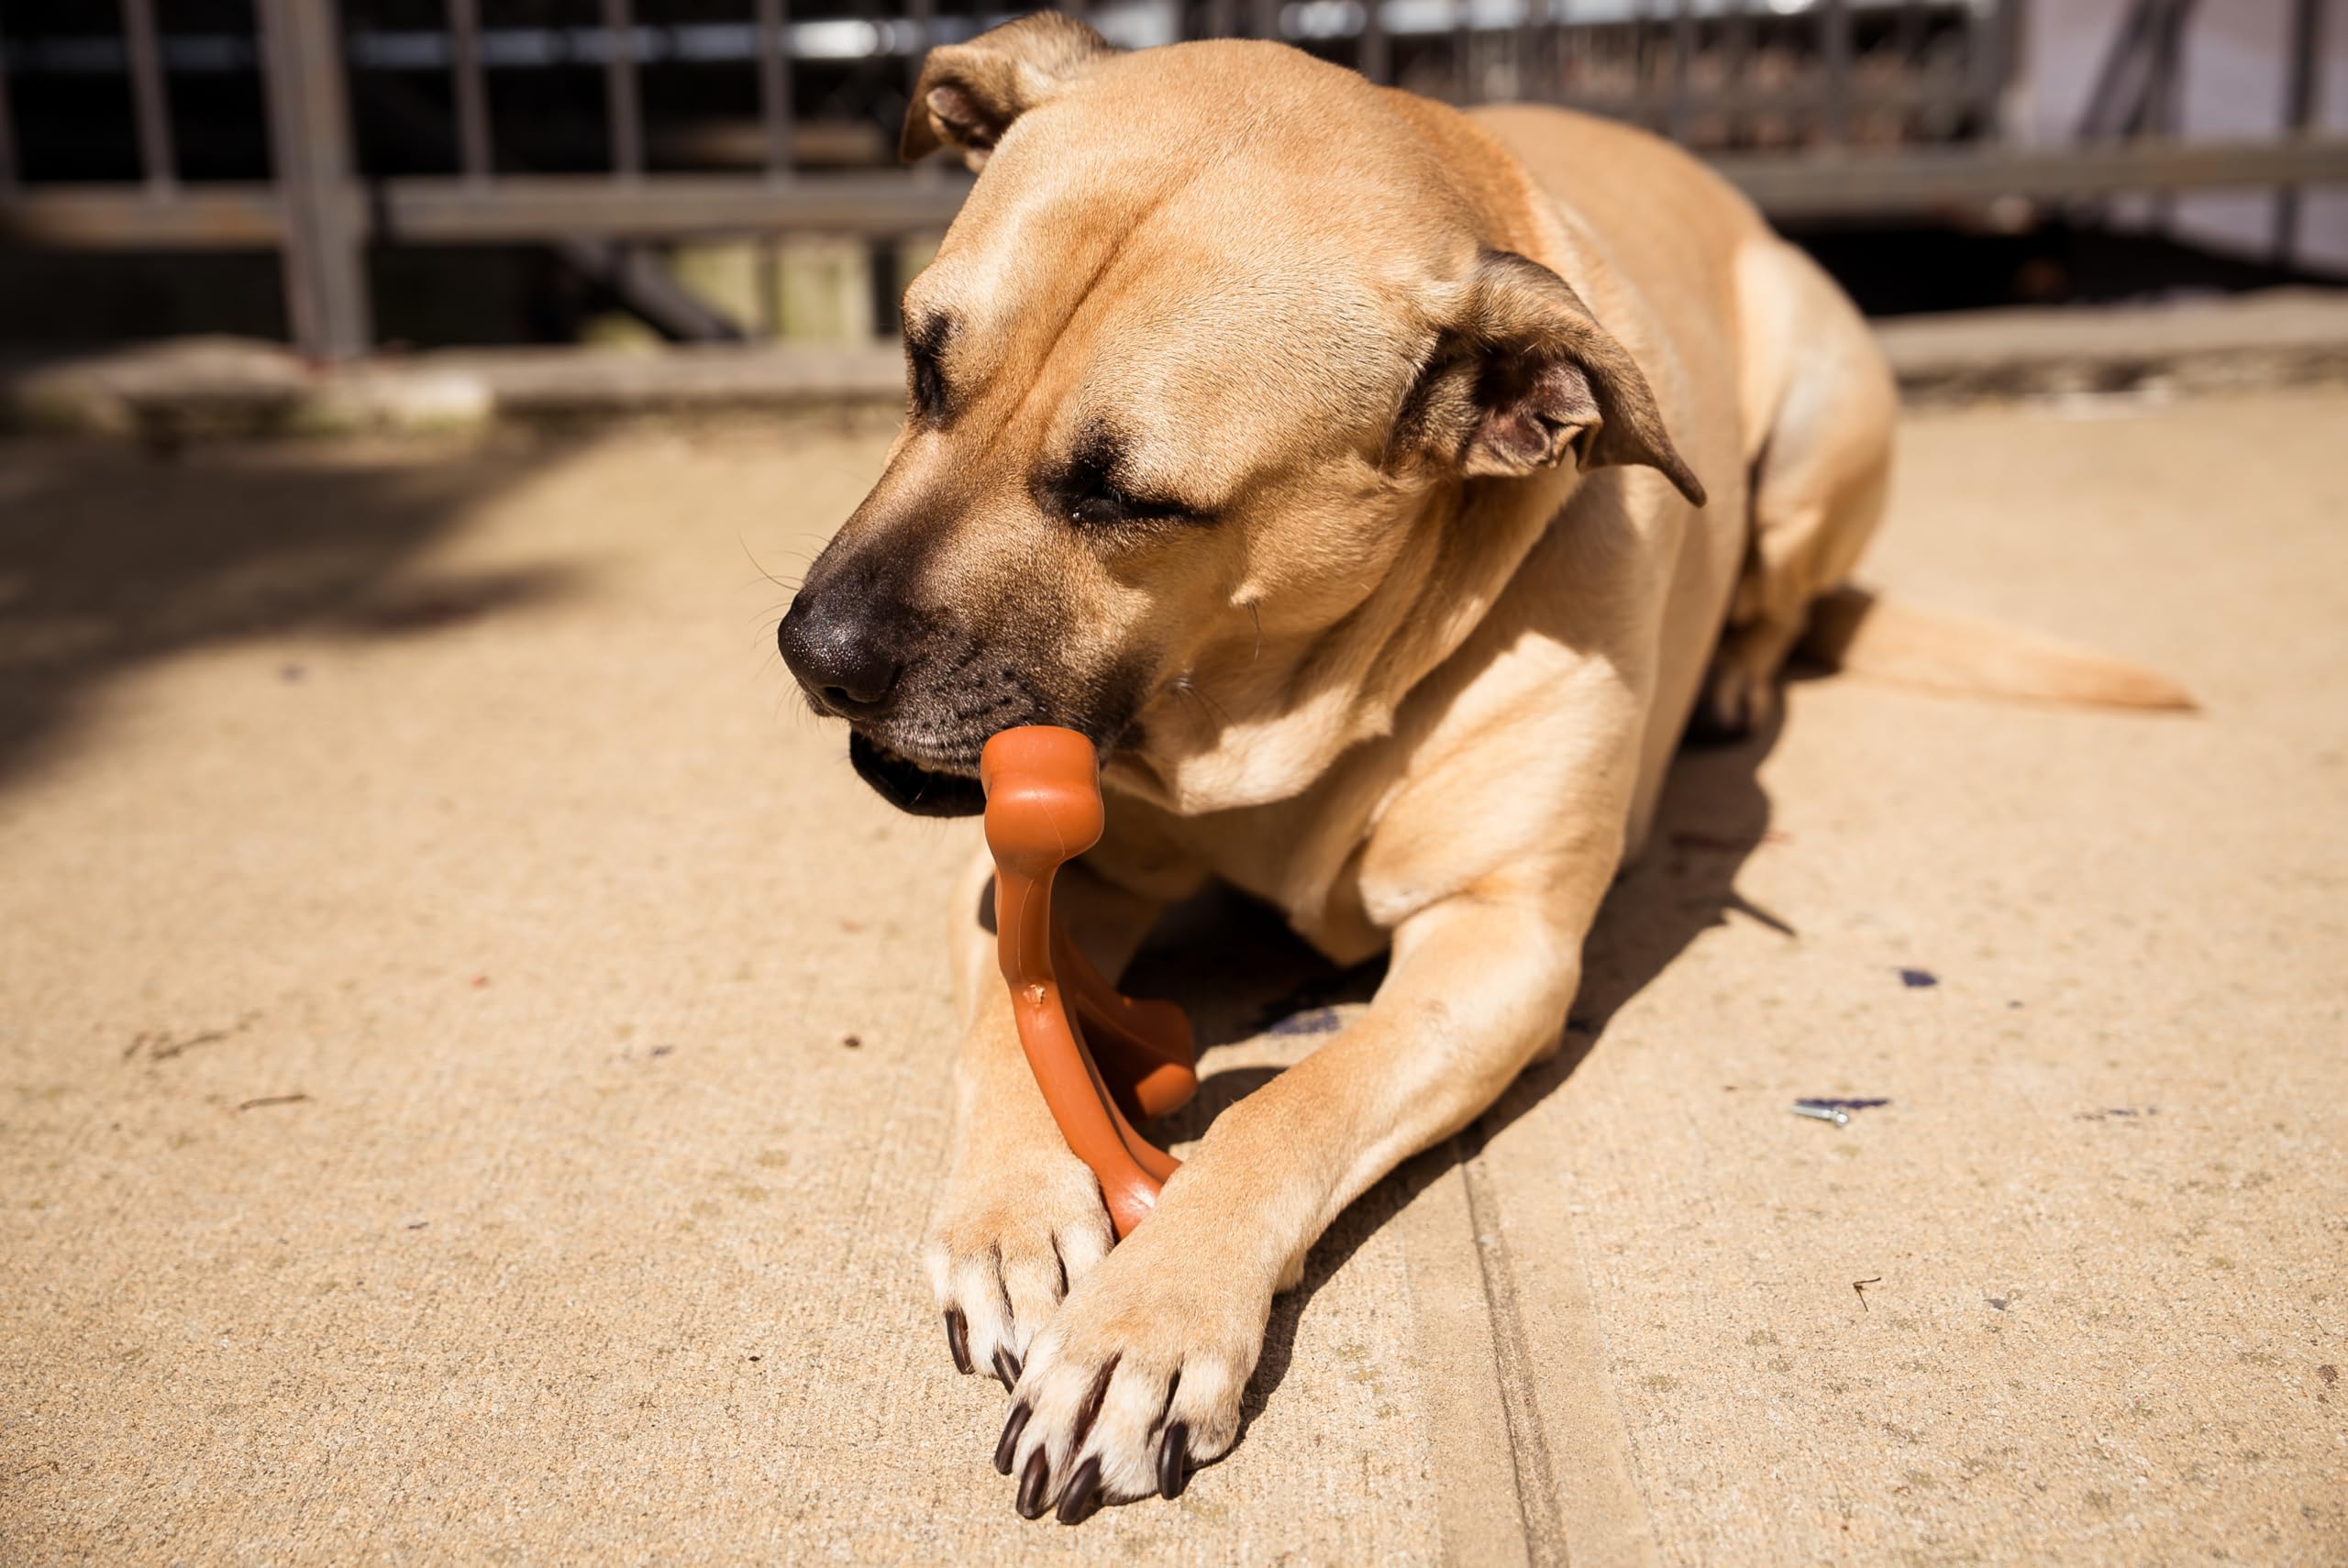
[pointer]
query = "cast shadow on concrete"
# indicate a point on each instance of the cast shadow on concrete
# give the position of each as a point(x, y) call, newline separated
point(112, 558)
point(1243, 975)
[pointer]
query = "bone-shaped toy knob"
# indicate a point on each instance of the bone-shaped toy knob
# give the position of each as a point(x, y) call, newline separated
point(1099, 1058)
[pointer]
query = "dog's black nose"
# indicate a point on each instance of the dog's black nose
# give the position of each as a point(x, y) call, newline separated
point(839, 652)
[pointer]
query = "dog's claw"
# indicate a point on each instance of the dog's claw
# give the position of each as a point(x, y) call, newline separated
point(1006, 1447)
point(1141, 1375)
point(1082, 1497)
point(1173, 1462)
point(1015, 1231)
point(1032, 1481)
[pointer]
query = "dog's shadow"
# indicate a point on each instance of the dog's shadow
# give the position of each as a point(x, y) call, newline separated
point(1254, 989)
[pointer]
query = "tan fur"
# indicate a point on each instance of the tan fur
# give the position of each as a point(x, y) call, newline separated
point(1857, 631)
point(1416, 684)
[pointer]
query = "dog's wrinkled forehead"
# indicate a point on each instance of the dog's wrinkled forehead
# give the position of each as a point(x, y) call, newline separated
point(1118, 267)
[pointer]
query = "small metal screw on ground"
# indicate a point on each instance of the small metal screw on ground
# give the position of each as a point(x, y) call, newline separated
point(1833, 1113)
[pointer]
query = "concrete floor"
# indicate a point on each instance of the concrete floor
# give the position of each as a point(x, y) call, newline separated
point(471, 1059)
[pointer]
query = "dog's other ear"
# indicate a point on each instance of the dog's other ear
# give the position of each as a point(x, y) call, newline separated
point(969, 93)
point(1523, 376)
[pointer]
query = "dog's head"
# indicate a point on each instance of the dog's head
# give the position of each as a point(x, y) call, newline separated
point(1195, 384)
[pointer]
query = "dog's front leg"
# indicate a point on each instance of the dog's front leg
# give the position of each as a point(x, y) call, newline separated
point(1140, 1375)
point(1021, 1220)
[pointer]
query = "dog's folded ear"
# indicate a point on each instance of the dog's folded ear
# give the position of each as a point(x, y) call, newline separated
point(1523, 376)
point(969, 93)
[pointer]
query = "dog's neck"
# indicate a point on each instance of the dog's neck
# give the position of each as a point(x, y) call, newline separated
point(1251, 724)
point(1255, 723)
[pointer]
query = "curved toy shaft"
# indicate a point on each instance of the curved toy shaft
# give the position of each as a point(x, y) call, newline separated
point(1142, 1048)
point(1042, 809)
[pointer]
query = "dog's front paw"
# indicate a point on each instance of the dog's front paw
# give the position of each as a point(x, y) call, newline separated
point(1138, 1379)
point(1015, 1232)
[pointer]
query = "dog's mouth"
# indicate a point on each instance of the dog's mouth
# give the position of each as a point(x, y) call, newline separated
point(911, 787)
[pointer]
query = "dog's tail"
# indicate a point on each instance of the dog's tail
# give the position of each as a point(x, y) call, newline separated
point(1865, 634)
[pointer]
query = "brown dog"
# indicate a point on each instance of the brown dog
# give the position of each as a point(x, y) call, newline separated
point(1376, 485)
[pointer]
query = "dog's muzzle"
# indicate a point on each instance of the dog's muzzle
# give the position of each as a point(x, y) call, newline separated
point(851, 651)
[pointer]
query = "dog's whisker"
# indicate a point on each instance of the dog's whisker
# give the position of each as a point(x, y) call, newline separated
point(1184, 686)
point(760, 567)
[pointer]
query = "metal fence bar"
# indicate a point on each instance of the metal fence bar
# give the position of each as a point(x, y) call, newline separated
point(883, 263)
point(1524, 42)
point(1463, 65)
point(527, 208)
point(1797, 184)
point(2163, 106)
point(2107, 110)
point(623, 106)
point(1991, 44)
point(923, 14)
point(7, 123)
point(1741, 28)
point(1954, 179)
point(147, 100)
point(1683, 58)
point(1907, 28)
point(1799, 97)
point(2164, 98)
point(471, 88)
point(522, 208)
point(774, 86)
point(1377, 58)
point(2300, 96)
point(119, 216)
point(1834, 55)
point(309, 139)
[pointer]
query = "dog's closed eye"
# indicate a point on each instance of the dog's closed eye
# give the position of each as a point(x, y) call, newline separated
point(926, 341)
point(1106, 503)
point(1091, 491)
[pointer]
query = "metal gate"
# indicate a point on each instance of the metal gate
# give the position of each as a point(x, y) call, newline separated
point(1815, 107)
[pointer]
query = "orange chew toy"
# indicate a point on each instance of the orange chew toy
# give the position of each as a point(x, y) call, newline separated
point(1099, 1058)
